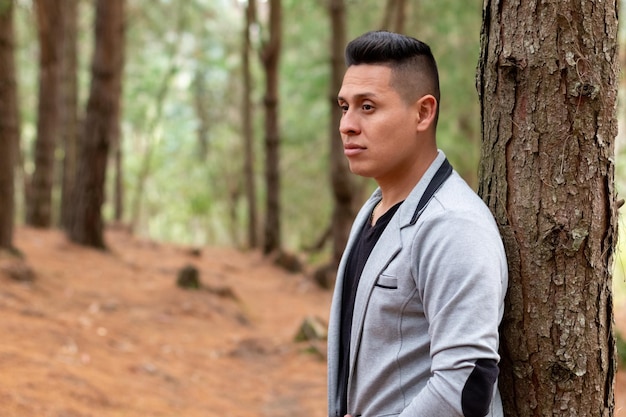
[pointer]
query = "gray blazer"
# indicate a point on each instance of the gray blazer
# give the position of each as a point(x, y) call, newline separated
point(424, 339)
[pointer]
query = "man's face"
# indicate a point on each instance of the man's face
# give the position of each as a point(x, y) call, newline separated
point(378, 128)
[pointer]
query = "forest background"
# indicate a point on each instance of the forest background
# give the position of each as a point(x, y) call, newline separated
point(181, 110)
point(181, 125)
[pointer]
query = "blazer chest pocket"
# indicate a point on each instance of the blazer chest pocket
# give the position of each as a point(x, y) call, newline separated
point(387, 282)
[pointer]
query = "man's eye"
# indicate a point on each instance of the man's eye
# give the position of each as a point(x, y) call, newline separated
point(343, 107)
point(368, 107)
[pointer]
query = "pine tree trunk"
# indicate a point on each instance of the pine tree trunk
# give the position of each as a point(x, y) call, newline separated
point(39, 201)
point(118, 178)
point(248, 131)
point(69, 107)
point(102, 114)
point(548, 88)
point(345, 190)
point(270, 58)
point(9, 124)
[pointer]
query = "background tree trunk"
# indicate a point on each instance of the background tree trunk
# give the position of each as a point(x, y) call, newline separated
point(248, 131)
point(39, 196)
point(345, 190)
point(394, 17)
point(118, 164)
point(548, 88)
point(9, 123)
point(68, 105)
point(270, 58)
point(103, 110)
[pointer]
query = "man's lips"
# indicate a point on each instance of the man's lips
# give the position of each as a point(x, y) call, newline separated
point(352, 149)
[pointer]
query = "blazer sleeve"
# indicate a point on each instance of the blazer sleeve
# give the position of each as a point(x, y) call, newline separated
point(461, 272)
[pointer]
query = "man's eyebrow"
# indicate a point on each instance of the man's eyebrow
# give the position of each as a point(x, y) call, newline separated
point(358, 96)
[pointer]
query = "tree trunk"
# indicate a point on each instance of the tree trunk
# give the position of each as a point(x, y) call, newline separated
point(270, 58)
point(394, 17)
point(68, 105)
point(9, 123)
point(548, 87)
point(202, 105)
point(39, 201)
point(342, 181)
point(118, 164)
point(248, 131)
point(103, 108)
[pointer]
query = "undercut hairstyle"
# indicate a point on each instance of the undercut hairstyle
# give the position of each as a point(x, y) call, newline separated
point(413, 66)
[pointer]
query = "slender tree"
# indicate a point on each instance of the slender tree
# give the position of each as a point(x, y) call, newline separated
point(9, 123)
point(39, 196)
point(394, 17)
point(68, 106)
point(548, 88)
point(117, 156)
point(248, 131)
point(118, 181)
point(103, 112)
point(342, 181)
point(270, 57)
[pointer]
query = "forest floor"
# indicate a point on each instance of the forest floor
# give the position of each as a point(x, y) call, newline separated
point(99, 334)
point(103, 334)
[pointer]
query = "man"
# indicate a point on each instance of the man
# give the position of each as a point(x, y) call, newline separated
point(419, 295)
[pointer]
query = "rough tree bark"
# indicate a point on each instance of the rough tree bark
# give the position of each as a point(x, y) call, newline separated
point(270, 57)
point(9, 123)
point(548, 88)
point(103, 108)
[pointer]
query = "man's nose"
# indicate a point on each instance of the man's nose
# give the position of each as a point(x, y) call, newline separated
point(348, 124)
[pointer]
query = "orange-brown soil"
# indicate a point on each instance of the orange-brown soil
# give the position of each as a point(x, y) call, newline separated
point(103, 334)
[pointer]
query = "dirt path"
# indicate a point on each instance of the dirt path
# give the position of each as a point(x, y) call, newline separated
point(110, 334)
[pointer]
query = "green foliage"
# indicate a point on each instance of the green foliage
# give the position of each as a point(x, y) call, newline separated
point(181, 128)
point(453, 32)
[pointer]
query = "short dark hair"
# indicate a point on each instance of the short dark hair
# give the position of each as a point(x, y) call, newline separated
point(412, 63)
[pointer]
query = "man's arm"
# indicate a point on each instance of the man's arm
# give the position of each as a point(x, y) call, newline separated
point(462, 276)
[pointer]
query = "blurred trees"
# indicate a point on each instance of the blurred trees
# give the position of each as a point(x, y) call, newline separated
point(270, 56)
point(188, 169)
point(39, 195)
point(548, 87)
point(9, 123)
point(68, 107)
point(100, 126)
point(395, 16)
point(250, 23)
point(345, 186)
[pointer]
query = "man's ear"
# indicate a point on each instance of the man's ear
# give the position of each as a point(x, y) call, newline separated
point(426, 108)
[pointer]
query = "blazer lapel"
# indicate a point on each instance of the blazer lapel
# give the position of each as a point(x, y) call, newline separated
point(386, 249)
point(334, 324)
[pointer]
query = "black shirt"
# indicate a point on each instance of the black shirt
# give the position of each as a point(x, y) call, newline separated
point(356, 262)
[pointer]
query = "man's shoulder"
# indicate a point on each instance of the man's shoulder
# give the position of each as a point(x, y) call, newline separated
point(456, 195)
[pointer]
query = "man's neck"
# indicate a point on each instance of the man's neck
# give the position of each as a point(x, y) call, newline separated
point(397, 189)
